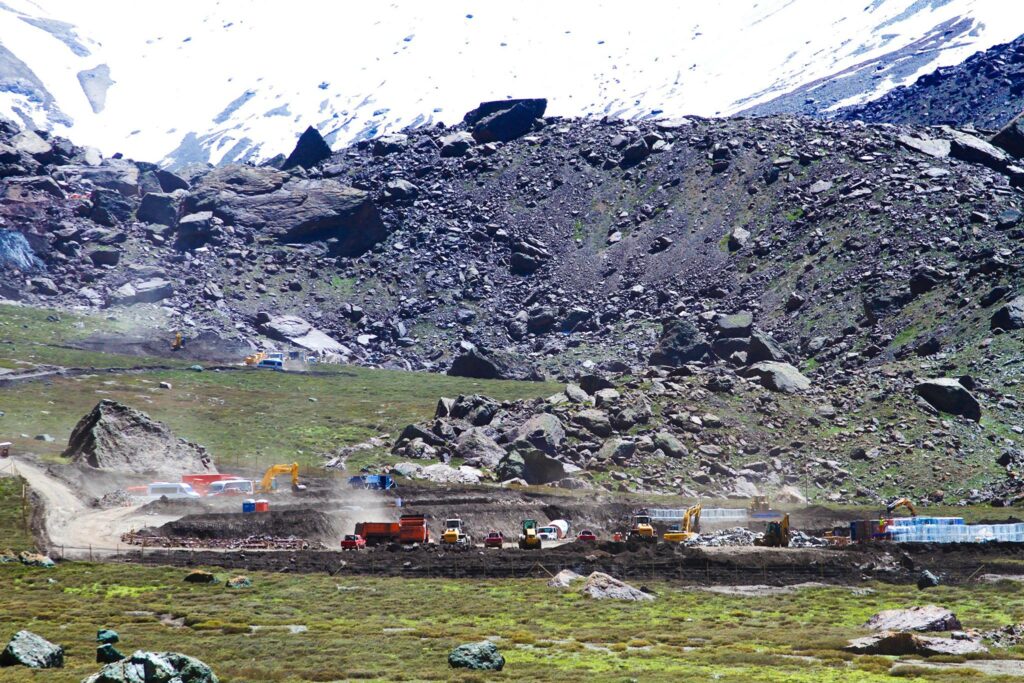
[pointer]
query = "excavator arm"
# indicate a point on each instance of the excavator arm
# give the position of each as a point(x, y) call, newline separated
point(902, 502)
point(266, 486)
point(691, 519)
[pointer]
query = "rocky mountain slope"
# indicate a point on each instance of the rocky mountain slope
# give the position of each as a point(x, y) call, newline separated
point(153, 81)
point(986, 90)
point(818, 273)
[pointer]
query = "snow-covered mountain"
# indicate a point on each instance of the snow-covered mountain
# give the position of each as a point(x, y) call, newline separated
point(237, 79)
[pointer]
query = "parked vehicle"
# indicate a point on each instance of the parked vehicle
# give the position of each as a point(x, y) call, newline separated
point(455, 534)
point(353, 542)
point(494, 539)
point(408, 529)
point(547, 533)
point(374, 482)
point(528, 539)
point(172, 490)
point(200, 483)
point(232, 487)
point(586, 535)
point(271, 364)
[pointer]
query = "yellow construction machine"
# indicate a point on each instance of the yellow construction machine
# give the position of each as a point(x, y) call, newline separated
point(528, 539)
point(267, 485)
point(455, 535)
point(641, 528)
point(255, 358)
point(178, 343)
point(678, 533)
point(901, 502)
point(776, 534)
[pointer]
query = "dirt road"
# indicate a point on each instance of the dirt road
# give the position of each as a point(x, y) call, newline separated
point(75, 528)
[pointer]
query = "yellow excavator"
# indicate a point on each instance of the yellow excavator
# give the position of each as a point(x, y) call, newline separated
point(267, 485)
point(776, 534)
point(901, 502)
point(178, 343)
point(640, 527)
point(255, 358)
point(678, 533)
point(528, 539)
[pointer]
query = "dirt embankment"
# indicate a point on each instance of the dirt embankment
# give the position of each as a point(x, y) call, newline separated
point(691, 566)
point(301, 523)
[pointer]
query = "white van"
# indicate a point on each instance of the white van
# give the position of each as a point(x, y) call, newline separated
point(170, 490)
point(231, 487)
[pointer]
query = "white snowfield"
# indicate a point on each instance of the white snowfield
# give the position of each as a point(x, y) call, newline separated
point(186, 81)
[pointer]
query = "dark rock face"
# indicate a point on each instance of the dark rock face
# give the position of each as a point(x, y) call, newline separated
point(763, 348)
point(309, 151)
point(681, 342)
point(505, 120)
point(482, 364)
point(949, 396)
point(110, 207)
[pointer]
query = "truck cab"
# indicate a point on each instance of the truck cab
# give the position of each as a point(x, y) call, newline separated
point(454, 533)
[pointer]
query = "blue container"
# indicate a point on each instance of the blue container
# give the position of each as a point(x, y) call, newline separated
point(249, 505)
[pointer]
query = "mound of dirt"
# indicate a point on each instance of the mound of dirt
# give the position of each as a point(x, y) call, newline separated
point(302, 523)
point(118, 438)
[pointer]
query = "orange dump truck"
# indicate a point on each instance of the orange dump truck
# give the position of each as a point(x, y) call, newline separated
point(409, 529)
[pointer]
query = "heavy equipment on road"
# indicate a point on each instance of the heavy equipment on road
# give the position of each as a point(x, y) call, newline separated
point(267, 484)
point(776, 534)
point(641, 528)
point(901, 502)
point(408, 529)
point(528, 539)
point(687, 529)
point(455, 534)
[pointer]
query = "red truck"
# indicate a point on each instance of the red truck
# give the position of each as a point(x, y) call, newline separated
point(353, 542)
point(409, 529)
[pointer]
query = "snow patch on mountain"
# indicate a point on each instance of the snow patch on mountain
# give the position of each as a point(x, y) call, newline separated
point(240, 79)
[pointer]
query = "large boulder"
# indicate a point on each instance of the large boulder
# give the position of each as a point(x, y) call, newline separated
point(113, 174)
point(195, 230)
point(148, 291)
point(35, 652)
point(781, 377)
point(309, 151)
point(543, 431)
point(735, 325)
point(290, 328)
point(505, 120)
point(480, 364)
point(1009, 316)
point(110, 207)
point(530, 465)
point(601, 586)
point(478, 449)
point(920, 618)
point(482, 656)
point(456, 144)
point(681, 342)
point(763, 347)
point(1011, 137)
point(117, 438)
point(670, 445)
point(898, 643)
point(155, 667)
point(475, 409)
point(160, 208)
point(975, 150)
point(594, 421)
point(949, 396)
point(294, 211)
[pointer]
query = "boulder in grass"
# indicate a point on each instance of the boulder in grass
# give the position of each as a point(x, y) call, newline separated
point(35, 652)
point(200, 576)
point(108, 654)
point(919, 618)
point(107, 635)
point(36, 560)
point(482, 656)
point(899, 643)
point(239, 582)
point(155, 667)
point(601, 586)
